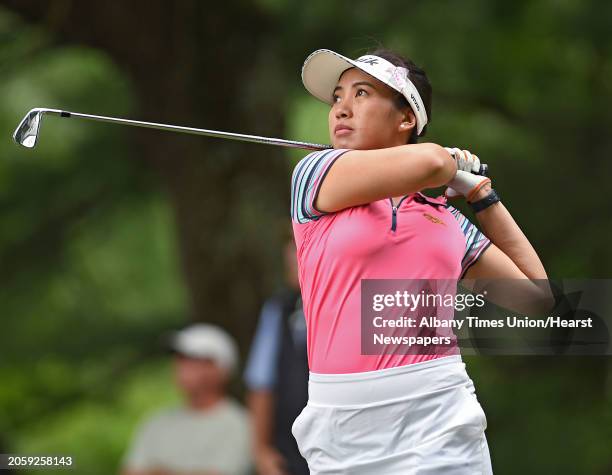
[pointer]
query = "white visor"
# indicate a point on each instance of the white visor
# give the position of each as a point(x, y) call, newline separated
point(323, 68)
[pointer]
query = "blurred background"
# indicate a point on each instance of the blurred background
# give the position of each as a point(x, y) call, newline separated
point(112, 236)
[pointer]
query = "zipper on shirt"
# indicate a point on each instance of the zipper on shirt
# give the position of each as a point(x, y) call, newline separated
point(394, 212)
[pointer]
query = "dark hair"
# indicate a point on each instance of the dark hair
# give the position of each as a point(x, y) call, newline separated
point(419, 79)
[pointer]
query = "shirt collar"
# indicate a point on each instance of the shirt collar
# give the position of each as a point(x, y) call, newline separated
point(440, 200)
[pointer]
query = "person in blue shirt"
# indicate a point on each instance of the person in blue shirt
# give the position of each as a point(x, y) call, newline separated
point(276, 376)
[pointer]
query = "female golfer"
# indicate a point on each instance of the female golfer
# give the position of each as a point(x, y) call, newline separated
point(358, 213)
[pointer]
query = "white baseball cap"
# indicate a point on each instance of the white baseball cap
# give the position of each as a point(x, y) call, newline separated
point(323, 68)
point(203, 340)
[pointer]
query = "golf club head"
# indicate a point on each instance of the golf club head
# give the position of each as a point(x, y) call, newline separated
point(27, 131)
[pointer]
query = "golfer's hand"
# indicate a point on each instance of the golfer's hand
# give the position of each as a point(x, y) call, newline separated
point(466, 161)
point(270, 462)
point(465, 183)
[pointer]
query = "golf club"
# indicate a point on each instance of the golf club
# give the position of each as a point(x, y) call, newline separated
point(27, 131)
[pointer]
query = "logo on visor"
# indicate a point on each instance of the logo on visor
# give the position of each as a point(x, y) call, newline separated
point(415, 101)
point(369, 60)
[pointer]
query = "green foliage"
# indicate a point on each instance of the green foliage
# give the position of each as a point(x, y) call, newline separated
point(87, 257)
point(89, 273)
point(97, 431)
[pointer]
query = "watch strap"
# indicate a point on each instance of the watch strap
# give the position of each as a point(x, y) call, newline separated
point(485, 202)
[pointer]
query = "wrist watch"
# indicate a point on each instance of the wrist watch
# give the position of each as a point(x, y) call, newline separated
point(485, 202)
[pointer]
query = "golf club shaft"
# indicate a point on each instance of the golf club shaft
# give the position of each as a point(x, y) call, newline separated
point(193, 131)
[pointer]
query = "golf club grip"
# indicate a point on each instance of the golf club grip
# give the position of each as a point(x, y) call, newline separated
point(482, 171)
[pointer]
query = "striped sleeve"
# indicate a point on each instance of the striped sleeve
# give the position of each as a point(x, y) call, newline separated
point(475, 241)
point(306, 181)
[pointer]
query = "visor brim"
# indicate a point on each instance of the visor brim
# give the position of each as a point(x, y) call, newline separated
point(321, 72)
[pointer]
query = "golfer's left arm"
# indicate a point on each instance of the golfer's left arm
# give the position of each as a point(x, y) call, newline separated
point(509, 269)
point(510, 255)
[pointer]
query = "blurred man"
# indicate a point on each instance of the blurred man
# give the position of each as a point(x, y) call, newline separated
point(277, 376)
point(210, 434)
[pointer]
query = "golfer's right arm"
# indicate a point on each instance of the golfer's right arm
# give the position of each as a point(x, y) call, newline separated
point(362, 176)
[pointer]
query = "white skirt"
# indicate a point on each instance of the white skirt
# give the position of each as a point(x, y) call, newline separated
point(419, 419)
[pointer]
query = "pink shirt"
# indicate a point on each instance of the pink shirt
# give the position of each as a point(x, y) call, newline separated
point(423, 238)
